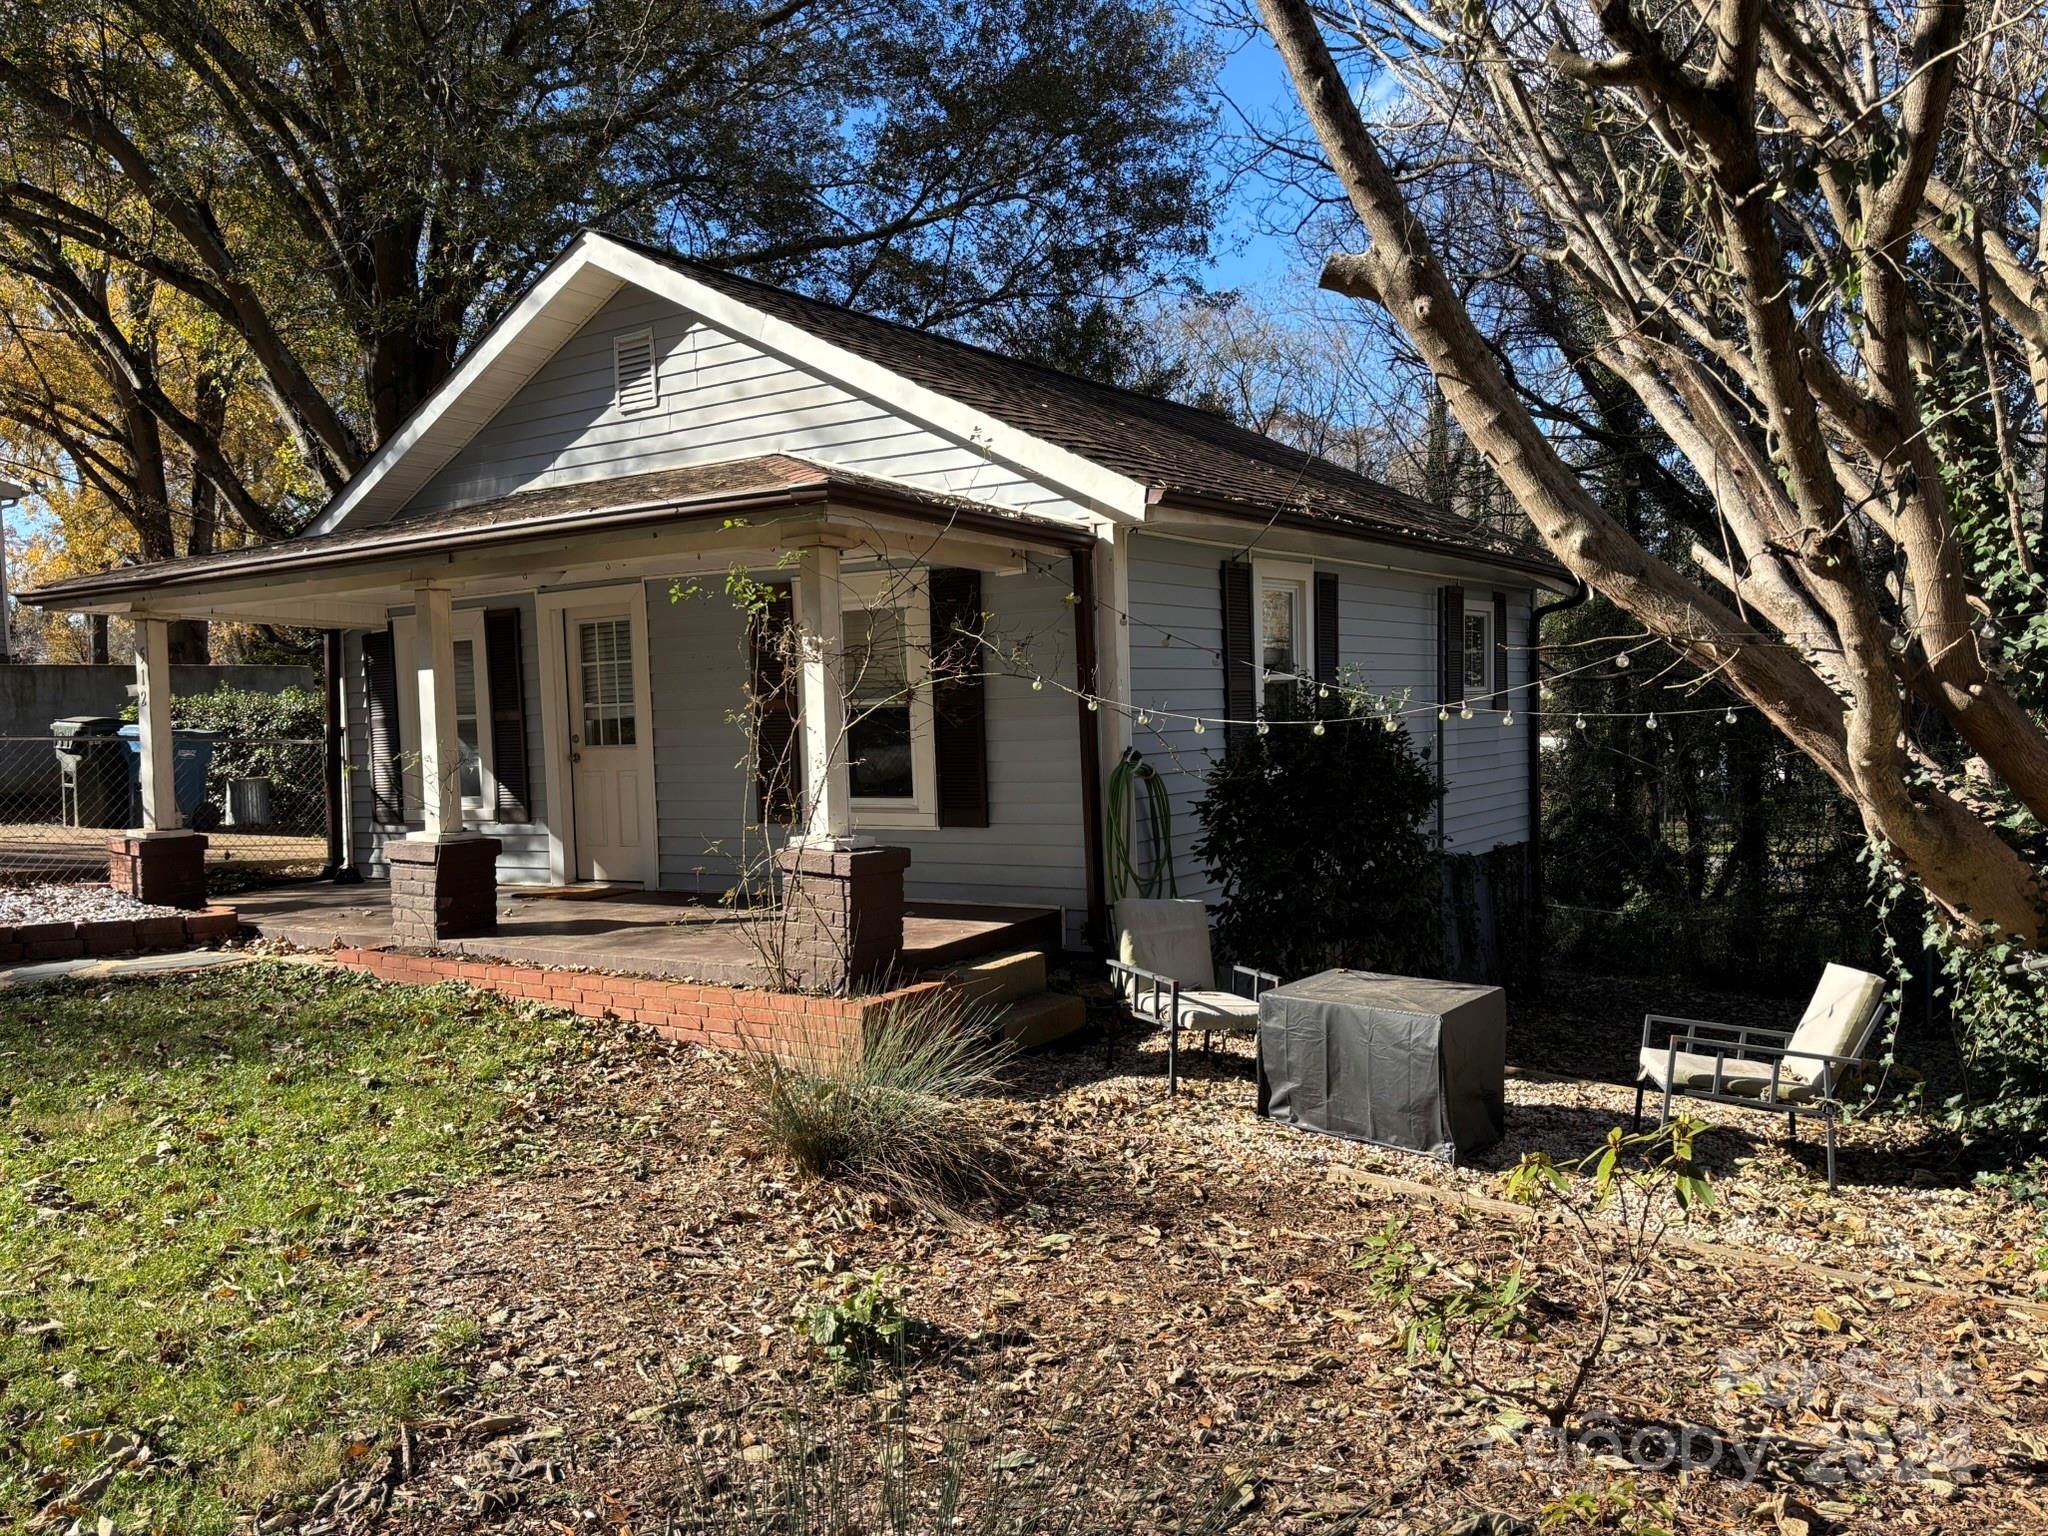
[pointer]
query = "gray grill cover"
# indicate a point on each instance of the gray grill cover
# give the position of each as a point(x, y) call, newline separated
point(1396, 1060)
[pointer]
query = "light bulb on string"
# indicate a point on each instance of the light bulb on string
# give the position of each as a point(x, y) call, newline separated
point(1508, 718)
point(1316, 729)
point(1094, 706)
point(1038, 685)
point(1443, 712)
point(1651, 723)
point(1201, 729)
point(1621, 662)
point(1322, 693)
point(1729, 718)
point(1465, 712)
point(1143, 718)
point(1392, 724)
point(1265, 729)
point(1579, 724)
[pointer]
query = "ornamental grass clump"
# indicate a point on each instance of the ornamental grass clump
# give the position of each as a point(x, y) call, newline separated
point(899, 1117)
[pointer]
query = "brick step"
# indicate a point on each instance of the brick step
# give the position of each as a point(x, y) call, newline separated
point(997, 979)
point(1034, 1021)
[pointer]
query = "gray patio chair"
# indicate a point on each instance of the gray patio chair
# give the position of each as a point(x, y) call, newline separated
point(1166, 973)
point(1799, 1071)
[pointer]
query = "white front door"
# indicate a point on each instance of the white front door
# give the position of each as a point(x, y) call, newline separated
point(607, 754)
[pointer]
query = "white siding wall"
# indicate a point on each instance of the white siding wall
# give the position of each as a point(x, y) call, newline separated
point(1032, 850)
point(524, 858)
point(720, 398)
point(1386, 632)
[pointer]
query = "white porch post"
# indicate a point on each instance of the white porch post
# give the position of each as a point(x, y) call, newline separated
point(822, 695)
point(153, 719)
point(440, 751)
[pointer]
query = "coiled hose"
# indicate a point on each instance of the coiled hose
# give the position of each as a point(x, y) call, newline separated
point(1120, 819)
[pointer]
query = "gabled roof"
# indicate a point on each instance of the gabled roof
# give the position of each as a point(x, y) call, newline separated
point(1178, 452)
point(763, 484)
point(1111, 452)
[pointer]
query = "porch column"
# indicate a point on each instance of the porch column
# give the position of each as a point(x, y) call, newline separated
point(821, 697)
point(444, 879)
point(158, 862)
point(440, 750)
point(842, 897)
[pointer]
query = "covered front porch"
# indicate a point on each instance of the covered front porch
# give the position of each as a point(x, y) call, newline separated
point(571, 687)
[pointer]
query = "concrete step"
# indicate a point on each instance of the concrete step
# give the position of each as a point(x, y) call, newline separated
point(997, 980)
point(1034, 1021)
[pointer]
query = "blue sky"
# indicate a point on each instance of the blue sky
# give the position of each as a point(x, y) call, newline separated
point(1255, 86)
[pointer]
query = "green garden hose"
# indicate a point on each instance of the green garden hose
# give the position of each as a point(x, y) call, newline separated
point(1121, 816)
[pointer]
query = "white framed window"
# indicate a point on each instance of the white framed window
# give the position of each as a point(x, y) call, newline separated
point(1477, 642)
point(892, 767)
point(635, 384)
point(1284, 595)
point(472, 714)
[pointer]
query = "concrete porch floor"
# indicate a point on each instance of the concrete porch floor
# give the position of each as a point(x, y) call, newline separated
point(635, 933)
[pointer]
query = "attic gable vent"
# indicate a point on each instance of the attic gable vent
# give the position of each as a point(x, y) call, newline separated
point(633, 367)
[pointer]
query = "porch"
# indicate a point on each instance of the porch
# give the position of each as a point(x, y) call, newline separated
point(633, 933)
point(549, 690)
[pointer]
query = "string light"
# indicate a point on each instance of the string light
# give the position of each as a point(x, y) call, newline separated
point(1316, 729)
point(1095, 706)
point(1465, 712)
point(1508, 718)
point(1201, 729)
point(1651, 723)
point(1579, 724)
point(1322, 693)
point(1143, 718)
point(1038, 685)
point(1265, 729)
point(1444, 713)
point(1621, 662)
point(1729, 718)
point(1392, 723)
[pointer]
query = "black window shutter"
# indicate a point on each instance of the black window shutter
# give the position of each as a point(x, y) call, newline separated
point(1500, 650)
point(1240, 643)
point(1450, 638)
point(1326, 626)
point(777, 773)
point(380, 692)
point(508, 713)
point(959, 698)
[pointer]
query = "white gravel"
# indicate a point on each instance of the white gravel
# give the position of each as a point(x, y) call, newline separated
point(23, 904)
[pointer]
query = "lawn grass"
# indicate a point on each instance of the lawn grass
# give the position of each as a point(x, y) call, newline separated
point(186, 1165)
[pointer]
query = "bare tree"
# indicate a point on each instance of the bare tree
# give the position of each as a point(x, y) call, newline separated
point(1743, 196)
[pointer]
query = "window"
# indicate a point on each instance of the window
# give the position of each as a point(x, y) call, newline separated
point(605, 653)
point(887, 658)
point(1478, 651)
point(1284, 623)
point(469, 717)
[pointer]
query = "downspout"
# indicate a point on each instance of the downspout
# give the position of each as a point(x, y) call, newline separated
point(330, 756)
point(1091, 747)
point(1538, 612)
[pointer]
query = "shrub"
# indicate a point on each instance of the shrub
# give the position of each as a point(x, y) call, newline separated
point(897, 1118)
point(262, 734)
point(1320, 844)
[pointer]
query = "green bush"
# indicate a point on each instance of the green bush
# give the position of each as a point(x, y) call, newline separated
point(897, 1118)
point(1321, 844)
point(262, 734)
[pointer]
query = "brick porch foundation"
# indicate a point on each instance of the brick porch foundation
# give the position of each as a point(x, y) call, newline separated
point(842, 918)
point(442, 890)
point(165, 869)
point(787, 1025)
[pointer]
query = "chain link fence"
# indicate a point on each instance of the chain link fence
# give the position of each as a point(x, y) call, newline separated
point(262, 803)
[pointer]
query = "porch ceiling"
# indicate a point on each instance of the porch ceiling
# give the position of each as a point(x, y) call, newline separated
point(665, 522)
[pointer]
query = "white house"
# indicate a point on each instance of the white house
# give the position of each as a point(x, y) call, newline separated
point(531, 578)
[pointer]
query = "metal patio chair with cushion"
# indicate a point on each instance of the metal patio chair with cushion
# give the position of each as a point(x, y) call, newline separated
point(1799, 1071)
point(1166, 973)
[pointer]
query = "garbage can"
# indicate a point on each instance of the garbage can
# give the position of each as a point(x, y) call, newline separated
point(92, 762)
point(191, 760)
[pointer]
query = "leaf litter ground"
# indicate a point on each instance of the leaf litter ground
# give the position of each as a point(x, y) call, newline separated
point(1161, 1327)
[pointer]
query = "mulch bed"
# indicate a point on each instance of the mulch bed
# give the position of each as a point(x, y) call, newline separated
point(1162, 1329)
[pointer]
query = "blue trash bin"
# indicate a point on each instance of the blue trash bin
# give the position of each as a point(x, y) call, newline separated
point(191, 760)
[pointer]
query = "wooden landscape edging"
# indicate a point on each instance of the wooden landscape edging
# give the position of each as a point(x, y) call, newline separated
point(1720, 1253)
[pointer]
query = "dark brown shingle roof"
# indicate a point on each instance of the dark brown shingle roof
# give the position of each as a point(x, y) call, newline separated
point(1178, 451)
point(770, 480)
